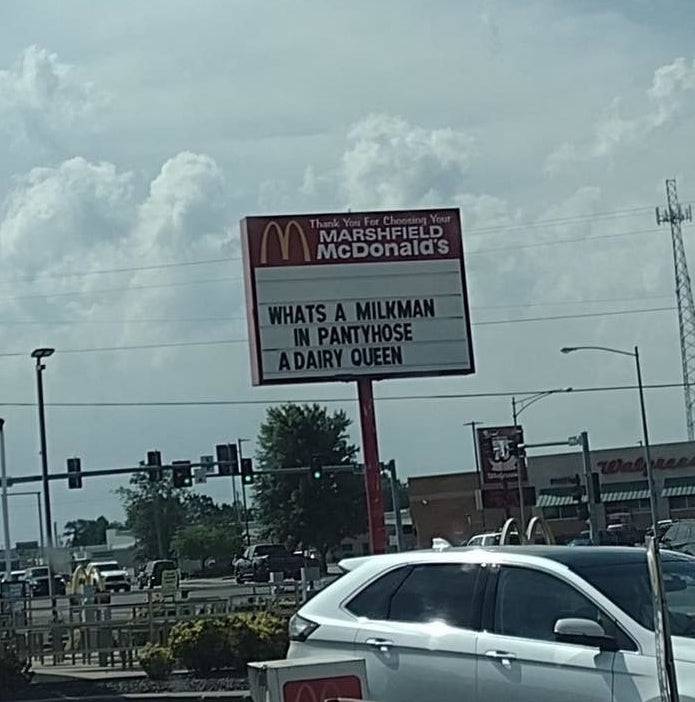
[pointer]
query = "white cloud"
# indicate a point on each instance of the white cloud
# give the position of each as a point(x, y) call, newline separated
point(186, 205)
point(42, 97)
point(671, 86)
point(61, 213)
point(389, 163)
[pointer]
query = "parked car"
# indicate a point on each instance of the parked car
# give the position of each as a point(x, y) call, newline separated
point(151, 575)
point(37, 578)
point(520, 623)
point(258, 562)
point(680, 536)
point(116, 578)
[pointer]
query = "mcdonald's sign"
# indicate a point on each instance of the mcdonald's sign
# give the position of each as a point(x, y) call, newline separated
point(284, 239)
point(345, 295)
point(323, 689)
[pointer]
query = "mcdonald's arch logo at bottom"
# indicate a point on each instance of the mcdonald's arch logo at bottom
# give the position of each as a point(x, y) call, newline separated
point(285, 238)
point(323, 689)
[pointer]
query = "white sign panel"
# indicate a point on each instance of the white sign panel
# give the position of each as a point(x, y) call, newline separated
point(377, 294)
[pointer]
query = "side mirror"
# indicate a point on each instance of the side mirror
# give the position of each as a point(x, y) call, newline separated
point(584, 632)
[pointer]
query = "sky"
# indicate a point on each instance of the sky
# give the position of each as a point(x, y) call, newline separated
point(134, 136)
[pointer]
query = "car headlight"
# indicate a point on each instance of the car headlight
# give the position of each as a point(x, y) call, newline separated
point(300, 629)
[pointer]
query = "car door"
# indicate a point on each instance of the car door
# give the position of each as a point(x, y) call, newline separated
point(422, 644)
point(518, 656)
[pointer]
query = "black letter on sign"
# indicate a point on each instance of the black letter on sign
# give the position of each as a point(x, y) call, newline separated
point(339, 313)
point(301, 337)
point(284, 362)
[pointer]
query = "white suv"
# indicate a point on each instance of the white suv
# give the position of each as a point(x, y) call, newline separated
point(521, 623)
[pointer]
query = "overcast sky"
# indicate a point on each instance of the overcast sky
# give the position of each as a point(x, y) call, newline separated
point(136, 134)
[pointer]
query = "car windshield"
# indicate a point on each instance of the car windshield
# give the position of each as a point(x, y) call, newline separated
point(39, 572)
point(107, 565)
point(627, 584)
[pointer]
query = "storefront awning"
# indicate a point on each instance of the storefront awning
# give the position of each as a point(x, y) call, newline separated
point(625, 495)
point(678, 487)
point(546, 500)
point(625, 491)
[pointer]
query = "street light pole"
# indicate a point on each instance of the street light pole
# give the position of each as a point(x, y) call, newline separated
point(476, 450)
point(39, 355)
point(647, 448)
point(517, 409)
point(643, 412)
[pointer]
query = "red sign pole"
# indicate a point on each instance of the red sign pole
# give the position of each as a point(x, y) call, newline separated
point(372, 469)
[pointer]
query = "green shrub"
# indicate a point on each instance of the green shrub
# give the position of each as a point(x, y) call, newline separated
point(15, 672)
point(156, 661)
point(260, 636)
point(201, 646)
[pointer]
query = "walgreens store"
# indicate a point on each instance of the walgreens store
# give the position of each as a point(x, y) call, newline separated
point(623, 481)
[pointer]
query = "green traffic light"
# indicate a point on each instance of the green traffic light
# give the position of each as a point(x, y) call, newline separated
point(316, 475)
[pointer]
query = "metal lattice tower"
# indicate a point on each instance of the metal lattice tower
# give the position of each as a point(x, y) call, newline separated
point(675, 215)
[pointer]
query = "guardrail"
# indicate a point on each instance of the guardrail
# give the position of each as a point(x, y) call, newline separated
point(109, 633)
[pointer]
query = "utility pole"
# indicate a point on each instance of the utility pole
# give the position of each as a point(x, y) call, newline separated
point(390, 468)
point(590, 496)
point(243, 492)
point(675, 214)
point(476, 450)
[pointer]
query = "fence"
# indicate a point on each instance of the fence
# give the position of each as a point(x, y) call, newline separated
point(109, 633)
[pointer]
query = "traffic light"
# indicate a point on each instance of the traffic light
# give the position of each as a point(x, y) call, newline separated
point(227, 459)
point(74, 473)
point(316, 468)
point(246, 471)
point(154, 463)
point(182, 474)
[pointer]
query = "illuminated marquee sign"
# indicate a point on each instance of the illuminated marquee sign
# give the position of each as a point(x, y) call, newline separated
point(339, 296)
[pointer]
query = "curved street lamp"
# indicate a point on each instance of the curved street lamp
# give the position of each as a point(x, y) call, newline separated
point(517, 409)
point(643, 411)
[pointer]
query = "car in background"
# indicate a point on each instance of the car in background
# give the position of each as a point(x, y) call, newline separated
point(37, 579)
point(115, 578)
point(430, 624)
point(491, 538)
point(16, 576)
point(151, 574)
point(258, 562)
point(680, 536)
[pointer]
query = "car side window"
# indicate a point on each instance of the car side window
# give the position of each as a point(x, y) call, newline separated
point(437, 592)
point(373, 602)
point(529, 602)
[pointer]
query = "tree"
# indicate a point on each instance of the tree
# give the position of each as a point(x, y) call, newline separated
point(208, 540)
point(297, 509)
point(88, 532)
point(155, 511)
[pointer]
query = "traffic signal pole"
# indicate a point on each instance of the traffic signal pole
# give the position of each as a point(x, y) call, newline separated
point(243, 494)
point(372, 468)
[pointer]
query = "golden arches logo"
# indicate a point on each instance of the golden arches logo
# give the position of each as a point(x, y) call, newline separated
point(283, 238)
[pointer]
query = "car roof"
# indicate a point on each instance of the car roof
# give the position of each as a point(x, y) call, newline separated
point(570, 556)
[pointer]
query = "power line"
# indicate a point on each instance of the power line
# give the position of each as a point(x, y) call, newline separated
point(562, 220)
point(557, 242)
point(129, 269)
point(332, 400)
point(234, 318)
point(205, 281)
point(243, 340)
point(581, 315)
point(127, 288)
